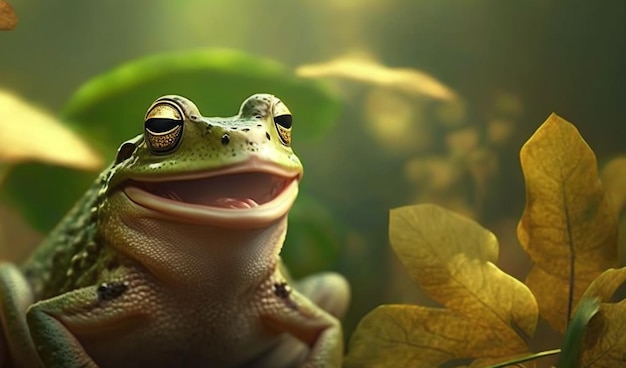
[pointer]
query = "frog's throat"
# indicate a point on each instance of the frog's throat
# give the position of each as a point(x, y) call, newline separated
point(240, 196)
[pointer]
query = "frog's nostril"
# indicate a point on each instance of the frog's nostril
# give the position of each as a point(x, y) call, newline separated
point(225, 139)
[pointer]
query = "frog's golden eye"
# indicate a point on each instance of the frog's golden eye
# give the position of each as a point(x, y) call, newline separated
point(163, 127)
point(283, 121)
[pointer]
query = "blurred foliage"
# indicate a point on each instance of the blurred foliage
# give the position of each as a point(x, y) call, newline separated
point(314, 238)
point(409, 80)
point(613, 177)
point(8, 18)
point(568, 228)
point(31, 134)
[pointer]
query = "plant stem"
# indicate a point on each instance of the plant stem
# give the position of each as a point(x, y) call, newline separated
point(526, 358)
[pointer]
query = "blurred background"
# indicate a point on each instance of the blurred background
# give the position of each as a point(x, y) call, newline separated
point(436, 99)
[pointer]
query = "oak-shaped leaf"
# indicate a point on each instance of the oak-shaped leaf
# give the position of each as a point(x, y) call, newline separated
point(604, 344)
point(489, 315)
point(568, 227)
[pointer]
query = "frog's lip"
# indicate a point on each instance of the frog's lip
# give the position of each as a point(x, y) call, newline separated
point(241, 196)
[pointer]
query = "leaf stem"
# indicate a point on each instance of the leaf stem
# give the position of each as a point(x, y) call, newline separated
point(526, 358)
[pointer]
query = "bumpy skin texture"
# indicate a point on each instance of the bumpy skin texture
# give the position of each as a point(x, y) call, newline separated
point(140, 275)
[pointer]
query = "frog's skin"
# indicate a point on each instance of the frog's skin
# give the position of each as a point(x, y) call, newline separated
point(171, 259)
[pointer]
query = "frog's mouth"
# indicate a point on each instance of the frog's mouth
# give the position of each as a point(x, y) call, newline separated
point(223, 198)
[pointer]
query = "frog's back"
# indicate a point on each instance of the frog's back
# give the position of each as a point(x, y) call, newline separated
point(55, 266)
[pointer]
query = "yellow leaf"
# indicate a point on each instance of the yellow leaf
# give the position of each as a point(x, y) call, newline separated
point(568, 227)
point(604, 344)
point(415, 336)
point(489, 317)
point(31, 134)
point(412, 81)
point(606, 284)
point(8, 19)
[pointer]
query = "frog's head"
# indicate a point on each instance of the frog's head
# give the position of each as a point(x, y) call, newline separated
point(237, 172)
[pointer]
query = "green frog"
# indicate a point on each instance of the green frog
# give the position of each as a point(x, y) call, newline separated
point(171, 258)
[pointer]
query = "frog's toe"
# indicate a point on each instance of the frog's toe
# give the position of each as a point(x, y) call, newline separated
point(288, 352)
point(329, 290)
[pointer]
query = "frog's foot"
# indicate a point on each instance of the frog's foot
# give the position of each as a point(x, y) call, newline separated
point(15, 297)
point(309, 313)
point(330, 291)
point(54, 322)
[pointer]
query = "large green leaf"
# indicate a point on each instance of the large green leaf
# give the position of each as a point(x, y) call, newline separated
point(111, 106)
point(109, 109)
point(43, 193)
point(575, 333)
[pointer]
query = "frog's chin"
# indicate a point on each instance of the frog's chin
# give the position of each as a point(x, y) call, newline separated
point(233, 197)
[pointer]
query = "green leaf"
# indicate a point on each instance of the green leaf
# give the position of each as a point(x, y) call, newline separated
point(43, 193)
point(111, 106)
point(574, 336)
point(109, 109)
point(604, 343)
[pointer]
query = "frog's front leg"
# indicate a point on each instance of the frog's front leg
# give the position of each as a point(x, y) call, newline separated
point(86, 309)
point(15, 298)
point(292, 312)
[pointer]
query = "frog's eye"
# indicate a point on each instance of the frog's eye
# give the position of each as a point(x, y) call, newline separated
point(283, 126)
point(163, 127)
point(283, 121)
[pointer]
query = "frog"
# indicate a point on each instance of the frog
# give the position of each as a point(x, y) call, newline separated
point(172, 256)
